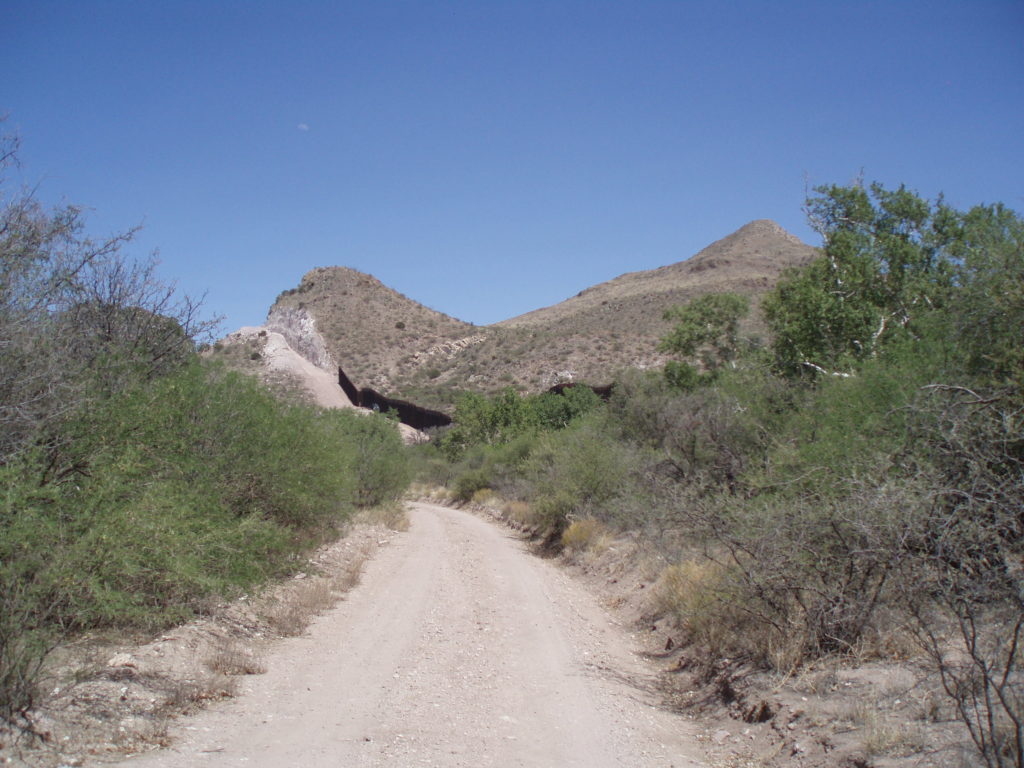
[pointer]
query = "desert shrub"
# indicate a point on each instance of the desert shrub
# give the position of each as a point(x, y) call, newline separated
point(377, 461)
point(193, 483)
point(427, 465)
point(506, 417)
point(682, 376)
point(576, 471)
point(469, 483)
point(804, 577)
point(837, 429)
point(705, 436)
point(26, 631)
point(226, 435)
point(557, 411)
point(483, 496)
point(551, 512)
point(965, 581)
point(189, 486)
point(585, 534)
point(496, 466)
point(139, 483)
point(519, 512)
point(690, 592)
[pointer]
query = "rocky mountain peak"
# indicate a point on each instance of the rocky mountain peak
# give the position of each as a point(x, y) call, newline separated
point(341, 317)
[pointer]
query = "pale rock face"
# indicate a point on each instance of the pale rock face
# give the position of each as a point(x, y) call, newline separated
point(320, 381)
point(299, 329)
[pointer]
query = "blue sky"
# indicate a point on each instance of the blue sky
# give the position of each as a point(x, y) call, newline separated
point(488, 158)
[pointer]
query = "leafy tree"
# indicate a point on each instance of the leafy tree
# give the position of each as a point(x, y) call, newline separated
point(556, 411)
point(886, 264)
point(473, 424)
point(706, 331)
point(78, 319)
point(483, 421)
point(989, 313)
point(707, 328)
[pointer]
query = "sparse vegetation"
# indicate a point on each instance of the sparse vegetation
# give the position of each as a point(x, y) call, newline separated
point(858, 480)
point(141, 482)
point(434, 356)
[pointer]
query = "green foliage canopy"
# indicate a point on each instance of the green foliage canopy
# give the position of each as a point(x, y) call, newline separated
point(480, 420)
point(895, 268)
point(707, 329)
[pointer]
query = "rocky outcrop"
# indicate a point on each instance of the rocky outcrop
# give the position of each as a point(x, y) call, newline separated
point(299, 329)
point(449, 349)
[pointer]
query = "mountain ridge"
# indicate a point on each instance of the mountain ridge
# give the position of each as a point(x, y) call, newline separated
point(715, 255)
point(380, 338)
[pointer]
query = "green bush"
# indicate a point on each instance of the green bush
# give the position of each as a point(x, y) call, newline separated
point(578, 471)
point(195, 485)
point(378, 463)
point(483, 421)
point(138, 483)
point(469, 483)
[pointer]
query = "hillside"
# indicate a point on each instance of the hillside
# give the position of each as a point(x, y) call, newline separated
point(337, 316)
point(747, 261)
point(377, 335)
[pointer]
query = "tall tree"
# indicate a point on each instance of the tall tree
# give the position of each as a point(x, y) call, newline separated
point(886, 264)
point(706, 331)
point(78, 317)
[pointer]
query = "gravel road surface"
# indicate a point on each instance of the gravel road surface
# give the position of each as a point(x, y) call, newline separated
point(458, 648)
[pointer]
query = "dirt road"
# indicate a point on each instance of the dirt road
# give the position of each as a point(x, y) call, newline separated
point(457, 649)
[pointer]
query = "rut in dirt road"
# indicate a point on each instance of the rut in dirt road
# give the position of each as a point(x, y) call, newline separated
point(457, 649)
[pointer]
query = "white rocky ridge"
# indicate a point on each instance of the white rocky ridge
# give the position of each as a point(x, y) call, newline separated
point(299, 328)
point(278, 356)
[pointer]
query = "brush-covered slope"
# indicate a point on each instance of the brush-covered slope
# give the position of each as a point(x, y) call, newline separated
point(387, 341)
point(377, 335)
point(748, 261)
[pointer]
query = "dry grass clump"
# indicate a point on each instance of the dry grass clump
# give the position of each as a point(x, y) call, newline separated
point(290, 615)
point(890, 639)
point(187, 696)
point(392, 516)
point(699, 596)
point(816, 681)
point(348, 577)
point(430, 492)
point(152, 730)
point(484, 496)
point(687, 591)
point(586, 534)
point(292, 612)
point(881, 734)
point(233, 658)
point(520, 513)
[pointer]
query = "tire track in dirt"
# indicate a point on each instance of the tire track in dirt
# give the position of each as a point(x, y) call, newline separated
point(457, 649)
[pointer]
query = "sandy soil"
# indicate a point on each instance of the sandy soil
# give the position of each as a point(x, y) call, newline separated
point(457, 649)
point(279, 357)
point(322, 386)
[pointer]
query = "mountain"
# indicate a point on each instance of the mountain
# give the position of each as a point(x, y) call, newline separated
point(338, 317)
point(748, 261)
point(377, 335)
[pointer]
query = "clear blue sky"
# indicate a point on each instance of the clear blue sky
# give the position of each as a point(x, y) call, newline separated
point(488, 158)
